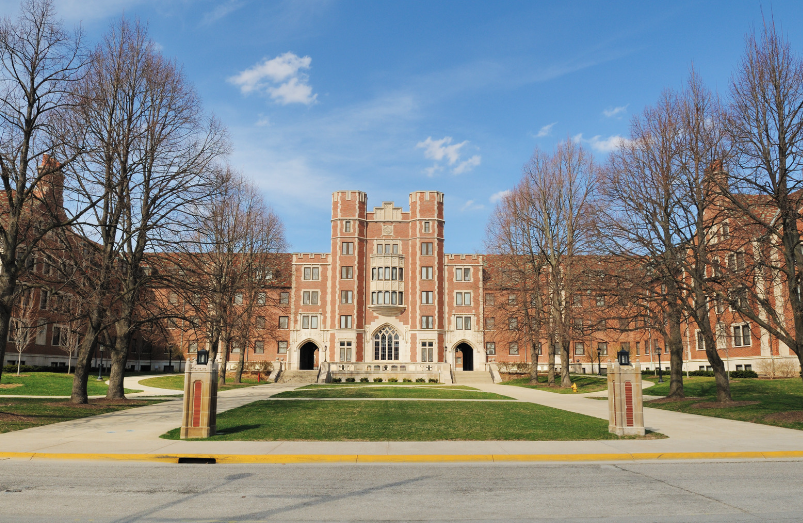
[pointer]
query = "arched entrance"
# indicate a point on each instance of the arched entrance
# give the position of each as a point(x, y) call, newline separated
point(464, 357)
point(308, 356)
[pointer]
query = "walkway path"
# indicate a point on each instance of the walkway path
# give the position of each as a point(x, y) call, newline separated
point(134, 434)
point(129, 382)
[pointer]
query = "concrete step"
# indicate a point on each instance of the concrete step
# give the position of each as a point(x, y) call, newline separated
point(477, 377)
point(298, 376)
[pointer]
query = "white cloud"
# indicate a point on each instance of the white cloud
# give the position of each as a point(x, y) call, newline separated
point(499, 196)
point(545, 130)
point(471, 206)
point(467, 165)
point(443, 149)
point(600, 144)
point(221, 11)
point(263, 121)
point(615, 111)
point(284, 70)
point(439, 149)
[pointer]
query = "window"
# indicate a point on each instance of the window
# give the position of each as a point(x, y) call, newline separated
point(638, 348)
point(426, 273)
point(262, 298)
point(490, 348)
point(172, 298)
point(283, 322)
point(426, 227)
point(647, 347)
point(463, 323)
point(602, 347)
point(578, 323)
point(347, 226)
point(345, 322)
point(579, 348)
point(600, 301)
point(511, 299)
point(259, 347)
point(238, 298)
point(347, 272)
point(463, 298)
point(395, 248)
point(538, 349)
point(41, 333)
point(512, 324)
point(309, 322)
point(489, 324)
point(284, 298)
point(489, 300)
point(427, 351)
point(260, 322)
point(513, 348)
point(193, 347)
point(312, 273)
point(426, 248)
point(719, 304)
point(386, 344)
point(235, 346)
point(345, 351)
point(462, 274)
point(347, 248)
point(310, 298)
point(741, 335)
point(59, 337)
point(577, 300)
point(43, 299)
point(726, 231)
point(346, 296)
point(426, 322)
point(426, 297)
point(282, 348)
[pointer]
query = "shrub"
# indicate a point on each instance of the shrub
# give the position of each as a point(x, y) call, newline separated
point(336, 380)
point(363, 380)
point(393, 380)
point(420, 380)
point(377, 380)
point(433, 380)
point(349, 380)
point(407, 380)
point(744, 374)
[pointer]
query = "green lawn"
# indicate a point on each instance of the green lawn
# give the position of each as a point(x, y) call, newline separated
point(271, 420)
point(176, 382)
point(584, 384)
point(780, 402)
point(49, 384)
point(380, 391)
point(24, 413)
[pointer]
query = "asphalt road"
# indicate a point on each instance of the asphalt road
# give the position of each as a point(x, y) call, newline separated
point(643, 492)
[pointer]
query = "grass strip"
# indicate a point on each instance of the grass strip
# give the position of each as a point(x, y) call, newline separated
point(24, 413)
point(403, 421)
point(769, 402)
point(49, 384)
point(391, 392)
point(176, 382)
point(584, 384)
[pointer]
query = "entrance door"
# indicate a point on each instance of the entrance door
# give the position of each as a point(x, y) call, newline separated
point(307, 356)
point(464, 357)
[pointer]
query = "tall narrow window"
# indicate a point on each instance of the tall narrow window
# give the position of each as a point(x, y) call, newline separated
point(347, 248)
point(281, 347)
point(513, 348)
point(347, 272)
point(345, 351)
point(262, 298)
point(426, 227)
point(284, 298)
point(346, 296)
point(345, 322)
point(426, 322)
point(426, 248)
point(347, 226)
point(259, 347)
point(426, 273)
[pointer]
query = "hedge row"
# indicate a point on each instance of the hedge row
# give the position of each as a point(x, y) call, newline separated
point(708, 373)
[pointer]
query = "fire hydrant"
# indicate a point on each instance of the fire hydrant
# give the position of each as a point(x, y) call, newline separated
point(574, 387)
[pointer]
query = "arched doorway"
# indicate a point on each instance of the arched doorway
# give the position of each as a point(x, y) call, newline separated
point(464, 357)
point(308, 356)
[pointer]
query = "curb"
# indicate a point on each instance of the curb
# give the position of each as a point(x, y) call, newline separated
point(401, 458)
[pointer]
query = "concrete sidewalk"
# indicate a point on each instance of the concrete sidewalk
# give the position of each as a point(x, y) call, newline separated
point(133, 434)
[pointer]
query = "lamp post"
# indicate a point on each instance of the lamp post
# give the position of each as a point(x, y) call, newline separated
point(100, 365)
point(660, 373)
point(599, 362)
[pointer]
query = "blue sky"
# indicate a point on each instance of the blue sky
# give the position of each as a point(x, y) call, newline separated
point(392, 97)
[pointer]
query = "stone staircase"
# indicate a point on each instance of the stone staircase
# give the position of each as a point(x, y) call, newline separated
point(477, 377)
point(300, 377)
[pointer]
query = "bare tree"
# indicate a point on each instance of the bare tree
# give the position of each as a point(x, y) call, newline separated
point(554, 206)
point(24, 323)
point(39, 60)
point(766, 126)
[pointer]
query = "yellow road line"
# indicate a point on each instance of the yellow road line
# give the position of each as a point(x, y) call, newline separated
point(404, 458)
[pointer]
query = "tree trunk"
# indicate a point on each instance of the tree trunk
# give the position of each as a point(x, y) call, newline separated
point(675, 343)
point(118, 357)
point(5, 320)
point(720, 374)
point(534, 367)
point(82, 366)
point(223, 348)
point(550, 376)
point(238, 374)
point(565, 380)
